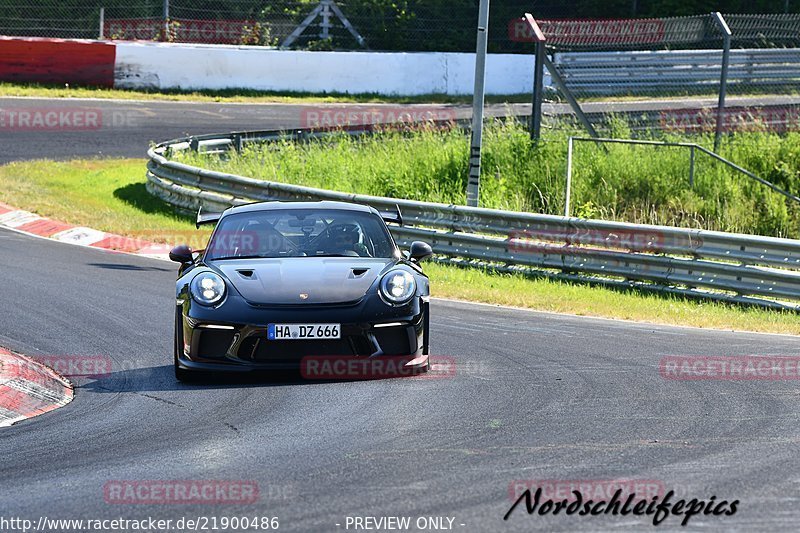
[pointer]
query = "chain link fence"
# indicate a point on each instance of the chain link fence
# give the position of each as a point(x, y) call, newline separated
point(690, 79)
point(609, 65)
point(430, 25)
point(403, 25)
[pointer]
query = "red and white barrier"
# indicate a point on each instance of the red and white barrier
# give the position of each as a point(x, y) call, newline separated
point(32, 59)
point(151, 65)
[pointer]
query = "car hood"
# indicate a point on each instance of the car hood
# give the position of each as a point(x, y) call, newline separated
point(303, 280)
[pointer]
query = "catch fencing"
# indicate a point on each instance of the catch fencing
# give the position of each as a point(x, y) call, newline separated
point(432, 25)
point(596, 51)
point(708, 264)
point(722, 69)
point(594, 74)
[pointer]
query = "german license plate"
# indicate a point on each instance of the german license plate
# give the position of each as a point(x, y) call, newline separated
point(280, 332)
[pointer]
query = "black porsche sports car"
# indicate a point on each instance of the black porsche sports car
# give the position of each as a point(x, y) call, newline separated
point(283, 283)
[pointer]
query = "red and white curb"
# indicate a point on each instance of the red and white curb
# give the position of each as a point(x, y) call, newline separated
point(31, 223)
point(29, 389)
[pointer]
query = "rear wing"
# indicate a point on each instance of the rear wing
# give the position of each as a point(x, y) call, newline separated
point(394, 218)
point(206, 218)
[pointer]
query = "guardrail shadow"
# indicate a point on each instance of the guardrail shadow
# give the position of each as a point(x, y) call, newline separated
point(162, 378)
point(123, 266)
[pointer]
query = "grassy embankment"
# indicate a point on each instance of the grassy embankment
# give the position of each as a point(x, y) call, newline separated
point(642, 184)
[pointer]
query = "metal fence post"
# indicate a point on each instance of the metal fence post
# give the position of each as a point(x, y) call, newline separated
point(166, 20)
point(723, 81)
point(324, 9)
point(474, 180)
point(102, 22)
point(538, 78)
point(569, 176)
point(562, 86)
point(325, 31)
point(691, 166)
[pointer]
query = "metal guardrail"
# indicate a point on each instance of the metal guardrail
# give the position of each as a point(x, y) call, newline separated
point(637, 72)
point(710, 264)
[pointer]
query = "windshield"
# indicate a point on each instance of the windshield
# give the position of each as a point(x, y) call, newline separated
point(300, 233)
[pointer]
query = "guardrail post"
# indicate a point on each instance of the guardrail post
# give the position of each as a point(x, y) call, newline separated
point(194, 144)
point(474, 180)
point(538, 78)
point(569, 176)
point(723, 80)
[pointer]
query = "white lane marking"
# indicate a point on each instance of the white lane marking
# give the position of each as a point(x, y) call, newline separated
point(619, 322)
point(81, 236)
point(8, 418)
point(37, 391)
point(15, 219)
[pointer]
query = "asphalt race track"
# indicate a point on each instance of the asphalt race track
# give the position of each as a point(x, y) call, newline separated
point(534, 396)
point(124, 128)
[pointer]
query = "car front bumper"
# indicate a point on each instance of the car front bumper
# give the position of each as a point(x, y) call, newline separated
point(397, 334)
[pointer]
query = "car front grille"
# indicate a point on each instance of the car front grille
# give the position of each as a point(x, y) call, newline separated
point(392, 341)
point(214, 343)
point(261, 350)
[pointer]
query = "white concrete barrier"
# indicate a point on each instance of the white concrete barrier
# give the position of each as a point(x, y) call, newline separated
point(198, 66)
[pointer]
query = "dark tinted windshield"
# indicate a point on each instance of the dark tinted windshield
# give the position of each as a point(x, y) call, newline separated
point(300, 233)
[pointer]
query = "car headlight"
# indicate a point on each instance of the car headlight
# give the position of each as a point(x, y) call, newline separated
point(398, 286)
point(208, 288)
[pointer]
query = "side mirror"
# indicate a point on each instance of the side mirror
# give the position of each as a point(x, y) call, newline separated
point(420, 251)
point(181, 254)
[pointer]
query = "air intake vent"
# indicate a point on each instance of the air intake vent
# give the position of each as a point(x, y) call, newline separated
point(358, 272)
point(248, 274)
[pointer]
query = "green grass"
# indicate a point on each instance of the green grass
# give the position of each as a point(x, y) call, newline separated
point(557, 296)
point(640, 184)
point(236, 95)
point(110, 195)
point(38, 90)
